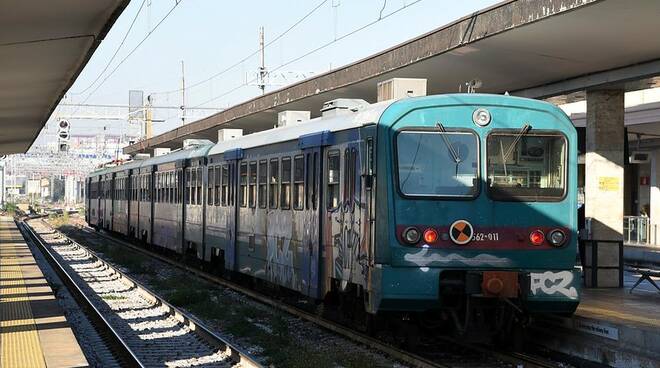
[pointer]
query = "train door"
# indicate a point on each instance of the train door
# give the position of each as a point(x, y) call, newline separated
point(349, 247)
point(367, 178)
point(310, 272)
point(232, 252)
point(103, 188)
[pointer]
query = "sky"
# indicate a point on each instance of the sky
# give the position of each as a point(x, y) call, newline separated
point(211, 35)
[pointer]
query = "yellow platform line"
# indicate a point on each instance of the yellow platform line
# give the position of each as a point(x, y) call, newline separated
point(621, 315)
point(19, 338)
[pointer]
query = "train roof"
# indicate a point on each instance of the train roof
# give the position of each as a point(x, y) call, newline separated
point(369, 114)
point(195, 151)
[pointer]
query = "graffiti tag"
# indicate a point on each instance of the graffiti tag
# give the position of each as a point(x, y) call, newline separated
point(422, 258)
point(551, 283)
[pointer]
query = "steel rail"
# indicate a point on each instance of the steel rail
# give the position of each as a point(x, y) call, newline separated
point(103, 327)
point(237, 355)
point(394, 352)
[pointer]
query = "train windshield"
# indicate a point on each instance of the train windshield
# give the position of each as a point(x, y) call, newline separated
point(437, 164)
point(526, 166)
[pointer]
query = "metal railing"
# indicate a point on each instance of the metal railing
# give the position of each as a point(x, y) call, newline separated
point(636, 230)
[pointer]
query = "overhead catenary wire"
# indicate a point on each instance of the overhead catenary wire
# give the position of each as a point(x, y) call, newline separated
point(319, 48)
point(121, 44)
point(247, 57)
point(176, 4)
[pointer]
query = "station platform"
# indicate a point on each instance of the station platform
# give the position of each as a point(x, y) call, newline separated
point(33, 329)
point(611, 326)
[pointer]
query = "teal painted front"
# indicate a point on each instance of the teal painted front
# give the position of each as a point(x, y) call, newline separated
point(416, 268)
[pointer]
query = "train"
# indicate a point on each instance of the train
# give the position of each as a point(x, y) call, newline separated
point(459, 208)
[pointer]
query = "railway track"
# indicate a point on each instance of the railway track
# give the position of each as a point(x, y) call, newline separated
point(142, 329)
point(469, 356)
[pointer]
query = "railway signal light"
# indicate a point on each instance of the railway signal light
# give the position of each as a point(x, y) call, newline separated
point(63, 135)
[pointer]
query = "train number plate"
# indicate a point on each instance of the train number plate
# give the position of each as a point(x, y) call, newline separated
point(486, 236)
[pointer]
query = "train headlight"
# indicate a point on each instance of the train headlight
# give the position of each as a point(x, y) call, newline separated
point(411, 235)
point(557, 238)
point(430, 236)
point(536, 237)
point(481, 117)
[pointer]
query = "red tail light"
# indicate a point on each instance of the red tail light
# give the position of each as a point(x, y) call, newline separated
point(430, 236)
point(537, 237)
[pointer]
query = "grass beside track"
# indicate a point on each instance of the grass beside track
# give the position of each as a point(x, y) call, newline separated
point(275, 336)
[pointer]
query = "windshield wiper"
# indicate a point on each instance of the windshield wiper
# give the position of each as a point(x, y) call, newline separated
point(509, 150)
point(452, 151)
point(526, 128)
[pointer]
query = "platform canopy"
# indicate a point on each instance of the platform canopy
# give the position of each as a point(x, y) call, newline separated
point(532, 48)
point(44, 45)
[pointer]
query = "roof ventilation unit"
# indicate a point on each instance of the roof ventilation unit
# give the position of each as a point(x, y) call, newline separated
point(229, 134)
point(141, 156)
point(342, 106)
point(161, 151)
point(290, 117)
point(190, 143)
point(398, 88)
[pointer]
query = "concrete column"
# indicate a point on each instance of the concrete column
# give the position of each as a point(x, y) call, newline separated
point(604, 164)
point(654, 198)
point(604, 185)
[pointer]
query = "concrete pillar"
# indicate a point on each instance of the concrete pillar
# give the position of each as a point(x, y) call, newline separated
point(604, 185)
point(604, 164)
point(654, 198)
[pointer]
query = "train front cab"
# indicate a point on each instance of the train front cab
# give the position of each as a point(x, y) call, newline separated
point(477, 207)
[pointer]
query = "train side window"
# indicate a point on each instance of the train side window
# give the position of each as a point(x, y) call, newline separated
point(273, 181)
point(163, 187)
point(316, 171)
point(171, 176)
point(218, 182)
point(285, 190)
point(200, 180)
point(263, 180)
point(210, 186)
point(232, 184)
point(348, 199)
point(308, 171)
point(253, 184)
point(298, 182)
point(225, 184)
point(356, 193)
point(179, 185)
point(352, 177)
point(333, 173)
point(160, 187)
point(244, 185)
point(189, 194)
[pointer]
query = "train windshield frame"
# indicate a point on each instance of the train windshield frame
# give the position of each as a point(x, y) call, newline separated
point(437, 164)
point(527, 166)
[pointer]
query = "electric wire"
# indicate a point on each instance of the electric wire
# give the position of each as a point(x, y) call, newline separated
point(381, 18)
point(176, 4)
point(246, 58)
point(121, 44)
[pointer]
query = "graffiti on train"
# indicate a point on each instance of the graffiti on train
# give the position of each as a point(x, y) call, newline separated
point(551, 283)
point(279, 260)
point(350, 262)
